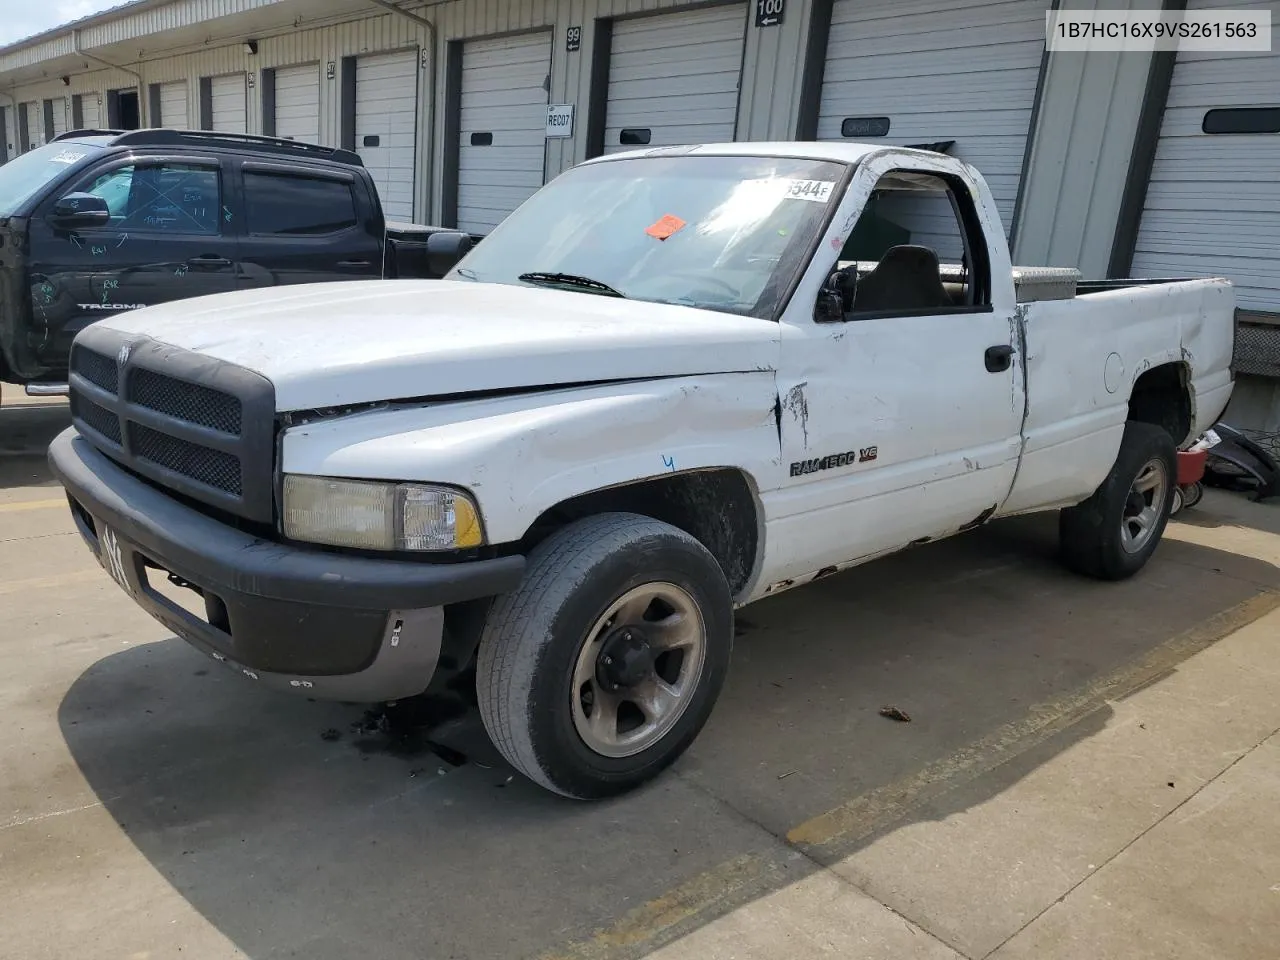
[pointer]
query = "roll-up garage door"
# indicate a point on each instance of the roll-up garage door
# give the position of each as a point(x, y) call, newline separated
point(1213, 199)
point(229, 113)
point(387, 127)
point(35, 124)
point(937, 71)
point(673, 78)
point(503, 147)
point(90, 111)
point(173, 105)
point(298, 102)
point(59, 116)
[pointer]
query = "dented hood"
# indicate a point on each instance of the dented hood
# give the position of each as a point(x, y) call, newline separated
point(331, 344)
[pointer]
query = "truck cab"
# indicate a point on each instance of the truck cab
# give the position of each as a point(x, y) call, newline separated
point(99, 223)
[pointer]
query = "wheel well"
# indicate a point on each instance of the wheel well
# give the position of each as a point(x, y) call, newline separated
point(717, 507)
point(1162, 396)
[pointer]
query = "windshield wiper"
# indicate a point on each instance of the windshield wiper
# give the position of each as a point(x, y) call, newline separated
point(570, 280)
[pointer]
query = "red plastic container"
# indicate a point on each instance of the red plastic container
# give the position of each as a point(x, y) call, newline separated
point(1191, 466)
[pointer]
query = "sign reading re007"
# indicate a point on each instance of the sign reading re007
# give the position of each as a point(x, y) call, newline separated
point(560, 120)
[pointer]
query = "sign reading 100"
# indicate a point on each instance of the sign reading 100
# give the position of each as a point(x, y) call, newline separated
point(769, 12)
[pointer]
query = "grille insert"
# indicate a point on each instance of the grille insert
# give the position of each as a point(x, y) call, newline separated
point(98, 370)
point(186, 401)
point(213, 468)
point(204, 429)
point(96, 417)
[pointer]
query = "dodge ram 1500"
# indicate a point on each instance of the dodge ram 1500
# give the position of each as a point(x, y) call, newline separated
point(674, 382)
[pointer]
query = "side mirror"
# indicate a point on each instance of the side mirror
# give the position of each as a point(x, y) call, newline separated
point(445, 249)
point(835, 299)
point(81, 210)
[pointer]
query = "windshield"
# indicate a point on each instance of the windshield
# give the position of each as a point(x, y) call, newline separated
point(23, 177)
point(721, 233)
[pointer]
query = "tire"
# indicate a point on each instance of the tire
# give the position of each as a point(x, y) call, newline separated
point(1093, 533)
point(541, 663)
point(1178, 502)
point(1192, 495)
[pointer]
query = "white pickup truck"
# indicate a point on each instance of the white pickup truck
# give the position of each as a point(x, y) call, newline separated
point(674, 382)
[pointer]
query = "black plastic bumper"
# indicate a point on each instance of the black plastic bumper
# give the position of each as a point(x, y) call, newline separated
point(330, 626)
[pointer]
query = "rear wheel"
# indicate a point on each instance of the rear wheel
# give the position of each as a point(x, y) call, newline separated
point(599, 670)
point(1112, 534)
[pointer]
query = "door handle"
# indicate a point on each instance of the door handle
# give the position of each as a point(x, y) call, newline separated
point(353, 263)
point(999, 358)
point(209, 260)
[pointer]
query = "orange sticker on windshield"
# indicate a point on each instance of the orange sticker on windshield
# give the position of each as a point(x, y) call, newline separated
point(664, 227)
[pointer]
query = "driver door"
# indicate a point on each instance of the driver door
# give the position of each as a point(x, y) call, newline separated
point(167, 239)
point(901, 414)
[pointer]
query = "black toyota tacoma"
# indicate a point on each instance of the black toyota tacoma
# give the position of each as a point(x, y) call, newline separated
point(101, 221)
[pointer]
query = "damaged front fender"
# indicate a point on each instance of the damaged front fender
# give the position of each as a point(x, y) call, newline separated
point(520, 455)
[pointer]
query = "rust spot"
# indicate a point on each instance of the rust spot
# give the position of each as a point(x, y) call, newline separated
point(981, 518)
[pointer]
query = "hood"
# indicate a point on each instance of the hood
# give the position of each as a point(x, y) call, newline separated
point(332, 344)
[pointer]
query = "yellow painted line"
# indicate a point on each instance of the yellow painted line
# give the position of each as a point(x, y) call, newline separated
point(864, 815)
point(43, 583)
point(704, 896)
point(21, 506)
point(724, 887)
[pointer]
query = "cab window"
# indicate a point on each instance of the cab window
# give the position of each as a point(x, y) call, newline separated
point(917, 248)
point(161, 198)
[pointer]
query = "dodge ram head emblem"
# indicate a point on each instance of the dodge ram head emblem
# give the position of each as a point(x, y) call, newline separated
point(123, 356)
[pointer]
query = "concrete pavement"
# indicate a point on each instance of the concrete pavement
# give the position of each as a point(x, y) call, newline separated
point(153, 805)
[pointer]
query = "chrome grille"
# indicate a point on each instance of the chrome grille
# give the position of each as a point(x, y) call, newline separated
point(205, 430)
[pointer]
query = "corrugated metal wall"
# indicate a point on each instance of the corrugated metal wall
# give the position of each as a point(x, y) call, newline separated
point(1071, 147)
point(768, 98)
point(1080, 151)
point(93, 83)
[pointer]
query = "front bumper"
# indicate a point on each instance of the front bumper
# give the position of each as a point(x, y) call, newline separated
point(330, 626)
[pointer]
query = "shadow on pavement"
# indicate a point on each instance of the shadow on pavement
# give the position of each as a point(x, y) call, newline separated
point(1221, 508)
point(26, 430)
point(313, 830)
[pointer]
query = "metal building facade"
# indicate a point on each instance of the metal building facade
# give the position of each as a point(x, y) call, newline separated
point(1080, 148)
point(336, 33)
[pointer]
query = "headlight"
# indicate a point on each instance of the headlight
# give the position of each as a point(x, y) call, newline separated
point(370, 515)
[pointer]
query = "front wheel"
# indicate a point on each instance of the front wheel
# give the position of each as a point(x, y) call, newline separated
point(602, 666)
point(1111, 535)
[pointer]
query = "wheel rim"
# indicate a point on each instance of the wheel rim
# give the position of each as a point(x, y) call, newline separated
point(1192, 495)
point(1144, 505)
point(637, 670)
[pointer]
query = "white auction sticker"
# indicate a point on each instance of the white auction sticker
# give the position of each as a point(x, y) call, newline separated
point(819, 191)
point(66, 156)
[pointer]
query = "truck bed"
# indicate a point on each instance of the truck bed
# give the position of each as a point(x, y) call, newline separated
point(1033, 284)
